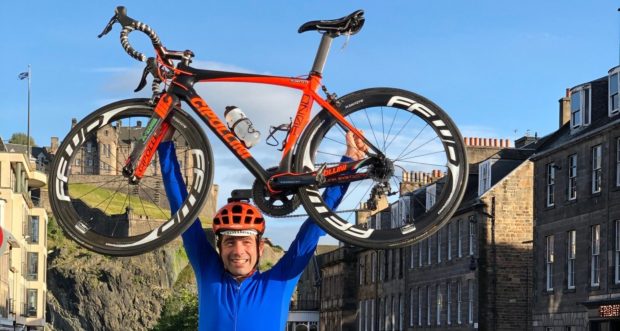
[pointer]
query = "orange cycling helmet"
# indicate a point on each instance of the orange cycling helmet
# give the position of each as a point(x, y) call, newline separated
point(239, 219)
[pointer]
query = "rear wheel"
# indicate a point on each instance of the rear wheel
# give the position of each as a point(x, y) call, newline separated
point(99, 208)
point(409, 194)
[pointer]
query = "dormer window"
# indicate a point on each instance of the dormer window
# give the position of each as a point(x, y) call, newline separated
point(614, 89)
point(431, 196)
point(484, 176)
point(580, 105)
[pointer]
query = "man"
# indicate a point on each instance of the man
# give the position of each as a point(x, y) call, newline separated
point(232, 293)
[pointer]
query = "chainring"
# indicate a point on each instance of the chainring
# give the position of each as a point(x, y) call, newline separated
point(279, 204)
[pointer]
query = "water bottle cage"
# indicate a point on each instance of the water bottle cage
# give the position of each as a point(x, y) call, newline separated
point(272, 131)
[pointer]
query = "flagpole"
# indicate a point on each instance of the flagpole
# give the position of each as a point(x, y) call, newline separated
point(28, 133)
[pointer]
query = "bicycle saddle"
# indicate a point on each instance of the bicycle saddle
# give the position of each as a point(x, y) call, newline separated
point(351, 24)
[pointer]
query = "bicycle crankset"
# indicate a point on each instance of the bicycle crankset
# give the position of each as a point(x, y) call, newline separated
point(279, 204)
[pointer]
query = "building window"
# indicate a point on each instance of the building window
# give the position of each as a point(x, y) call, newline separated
point(420, 247)
point(550, 184)
point(484, 183)
point(572, 177)
point(617, 252)
point(381, 313)
point(580, 107)
point(470, 303)
point(361, 270)
point(449, 303)
point(373, 265)
point(459, 299)
point(412, 255)
point(428, 250)
point(438, 240)
point(459, 241)
point(428, 305)
point(33, 229)
point(419, 306)
point(401, 311)
point(411, 307)
point(597, 172)
point(431, 196)
point(32, 272)
point(394, 309)
point(449, 241)
point(438, 309)
point(381, 270)
point(549, 257)
point(614, 105)
point(472, 234)
point(596, 251)
point(31, 297)
point(570, 258)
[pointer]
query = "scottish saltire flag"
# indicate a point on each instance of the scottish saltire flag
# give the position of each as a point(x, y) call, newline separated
point(23, 75)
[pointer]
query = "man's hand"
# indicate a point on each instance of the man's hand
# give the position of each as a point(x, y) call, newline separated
point(356, 148)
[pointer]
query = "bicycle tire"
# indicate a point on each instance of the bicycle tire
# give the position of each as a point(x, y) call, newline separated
point(388, 117)
point(94, 203)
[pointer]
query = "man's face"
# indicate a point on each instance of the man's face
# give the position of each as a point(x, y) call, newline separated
point(239, 254)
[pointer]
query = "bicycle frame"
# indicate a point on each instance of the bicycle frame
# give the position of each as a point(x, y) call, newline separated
point(181, 89)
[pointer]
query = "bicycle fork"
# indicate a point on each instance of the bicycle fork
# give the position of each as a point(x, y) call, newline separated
point(156, 129)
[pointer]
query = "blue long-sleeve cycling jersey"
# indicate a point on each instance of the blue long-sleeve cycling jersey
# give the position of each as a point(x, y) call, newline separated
point(261, 301)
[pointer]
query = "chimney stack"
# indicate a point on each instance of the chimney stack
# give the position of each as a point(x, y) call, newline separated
point(565, 109)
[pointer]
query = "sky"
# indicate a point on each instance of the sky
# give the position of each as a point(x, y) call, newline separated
point(497, 67)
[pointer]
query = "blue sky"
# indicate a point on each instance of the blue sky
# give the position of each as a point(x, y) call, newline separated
point(498, 68)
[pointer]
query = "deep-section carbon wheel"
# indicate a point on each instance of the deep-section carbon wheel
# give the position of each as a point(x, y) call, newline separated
point(409, 194)
point(98, 207)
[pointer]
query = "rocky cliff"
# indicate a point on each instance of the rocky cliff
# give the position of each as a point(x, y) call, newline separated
point(88, 291)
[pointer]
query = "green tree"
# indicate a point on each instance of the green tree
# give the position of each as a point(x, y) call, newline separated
point(180, 312)
point(21, 139)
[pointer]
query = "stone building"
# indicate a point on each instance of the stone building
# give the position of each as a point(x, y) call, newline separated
point(474, 273)
point(577, 230)
point(23, 267)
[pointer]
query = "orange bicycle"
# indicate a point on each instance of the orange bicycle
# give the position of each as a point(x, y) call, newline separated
point(106, 191)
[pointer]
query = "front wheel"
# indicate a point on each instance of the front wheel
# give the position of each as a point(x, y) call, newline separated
point(106, 212)
point(408, 195)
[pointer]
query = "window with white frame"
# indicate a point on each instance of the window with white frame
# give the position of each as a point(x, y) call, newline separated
point(388, 317)
point(470, 302)
point(438, 306)
point(449, 234)
point(550, 184)
point(431, 196)
point(484, 182)
point(595, 244)
point(404, 209)
point(572, 177)
point(580, 106)
point(614, 101)
point(395, 215)
point(570, 258)
point(459, 241)
point(549, 258)
point(449, 303)
point(617, 252)
point(617, 161)
point(597, 168)
point(459, 299)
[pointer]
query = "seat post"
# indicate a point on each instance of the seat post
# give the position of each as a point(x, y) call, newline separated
point(321, 54)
